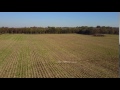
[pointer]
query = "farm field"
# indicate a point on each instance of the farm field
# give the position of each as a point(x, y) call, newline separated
point(58, 56)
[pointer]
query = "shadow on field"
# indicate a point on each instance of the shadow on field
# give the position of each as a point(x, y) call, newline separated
point(95, 35)
point(98, 35)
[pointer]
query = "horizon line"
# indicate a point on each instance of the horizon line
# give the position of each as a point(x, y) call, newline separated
point(56, 26)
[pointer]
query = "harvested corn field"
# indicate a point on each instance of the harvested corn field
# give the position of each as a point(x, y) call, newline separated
point(58, 56)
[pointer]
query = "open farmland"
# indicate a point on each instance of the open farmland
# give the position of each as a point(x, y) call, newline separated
point(58, 56)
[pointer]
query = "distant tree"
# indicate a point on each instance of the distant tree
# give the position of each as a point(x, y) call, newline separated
point(97, 26)
point(60, 30)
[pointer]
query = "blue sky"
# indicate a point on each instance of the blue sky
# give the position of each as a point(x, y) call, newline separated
point(119, 28)
point(58, 19)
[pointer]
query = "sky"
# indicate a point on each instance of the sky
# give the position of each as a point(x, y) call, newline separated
point(58, 19)
point(119, 28)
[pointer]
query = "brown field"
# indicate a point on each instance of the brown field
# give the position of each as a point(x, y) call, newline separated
point(58, 56)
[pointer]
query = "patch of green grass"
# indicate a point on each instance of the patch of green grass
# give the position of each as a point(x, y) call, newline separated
point(51, 55)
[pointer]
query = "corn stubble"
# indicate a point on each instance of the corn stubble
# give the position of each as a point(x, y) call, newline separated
point(58, 56)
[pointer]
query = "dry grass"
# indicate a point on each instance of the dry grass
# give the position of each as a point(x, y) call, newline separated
point(58, 56)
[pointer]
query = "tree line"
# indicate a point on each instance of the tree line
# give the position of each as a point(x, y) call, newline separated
point(61, 30)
